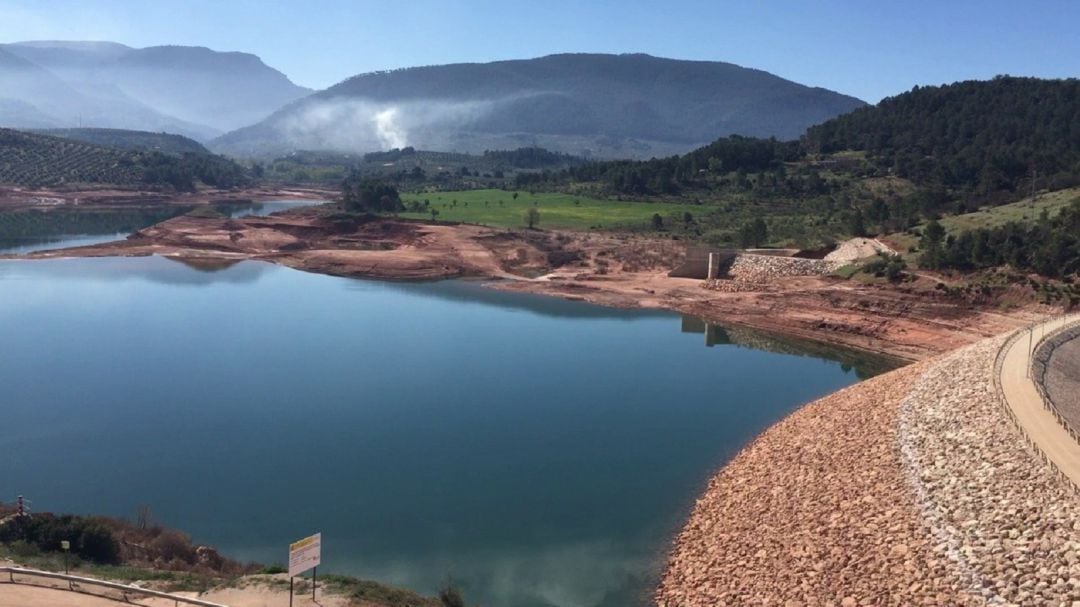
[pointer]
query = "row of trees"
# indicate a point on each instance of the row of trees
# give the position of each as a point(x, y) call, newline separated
point(368, 195)
point(90, 538)
point(670, 175)
point(182, 173)
point(1051, 247)
point(531, 158)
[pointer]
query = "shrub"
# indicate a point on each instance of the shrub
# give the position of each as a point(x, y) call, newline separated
point(173, 546)
point(97, 544)
point(90, 538)
point(450, 596)
point(22, 548)
point(886, 266)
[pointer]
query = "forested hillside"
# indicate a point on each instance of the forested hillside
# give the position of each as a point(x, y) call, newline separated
point(973, 138)
point(888, 168)
point(39, 160)
point(123, 139)
point(1049, 246)
point(411, 168)
point(670, 175)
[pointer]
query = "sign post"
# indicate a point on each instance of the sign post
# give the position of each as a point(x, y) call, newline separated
point(303, 555)
point(65, 545)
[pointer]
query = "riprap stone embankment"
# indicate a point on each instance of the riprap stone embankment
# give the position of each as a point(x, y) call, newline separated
point(912, 488)
point(1008, 522)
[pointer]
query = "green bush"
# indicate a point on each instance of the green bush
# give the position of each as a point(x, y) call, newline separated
point(450, 596)
point(886, 266)
point(90, 538)
point(24, 549)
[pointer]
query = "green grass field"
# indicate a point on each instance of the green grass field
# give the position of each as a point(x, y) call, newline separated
point(1022, 211)
point(558, 211)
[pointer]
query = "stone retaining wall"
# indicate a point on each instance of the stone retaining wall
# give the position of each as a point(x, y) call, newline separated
point(751, 267)
point(766, 268)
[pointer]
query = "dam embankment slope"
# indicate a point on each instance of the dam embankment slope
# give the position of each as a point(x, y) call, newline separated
point(912, 488)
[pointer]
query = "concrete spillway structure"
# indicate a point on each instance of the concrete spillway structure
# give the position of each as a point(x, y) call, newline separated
point(704, 263)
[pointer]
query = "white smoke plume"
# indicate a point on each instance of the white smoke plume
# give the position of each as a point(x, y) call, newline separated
point(362, 125)
point(388, 130)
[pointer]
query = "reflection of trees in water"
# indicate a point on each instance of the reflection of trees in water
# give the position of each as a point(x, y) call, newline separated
point(866, 365)
point(36, 226)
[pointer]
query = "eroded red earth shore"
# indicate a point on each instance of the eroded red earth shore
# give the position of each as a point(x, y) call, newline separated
point(909, 322)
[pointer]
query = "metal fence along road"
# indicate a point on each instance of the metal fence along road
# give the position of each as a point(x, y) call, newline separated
point(124, 589)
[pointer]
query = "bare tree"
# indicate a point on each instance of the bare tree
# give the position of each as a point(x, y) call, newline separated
point(144, 516)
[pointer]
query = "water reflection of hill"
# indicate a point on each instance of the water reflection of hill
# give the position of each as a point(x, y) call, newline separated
point(24, 229)
point(476, 292)
point(866, 365)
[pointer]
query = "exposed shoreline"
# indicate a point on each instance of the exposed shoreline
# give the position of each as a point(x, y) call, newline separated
point(829, 506)
point(105, 199)
point(908, 323)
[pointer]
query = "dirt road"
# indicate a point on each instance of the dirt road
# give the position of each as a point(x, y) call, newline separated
point(245, 594)
point(1039, 425)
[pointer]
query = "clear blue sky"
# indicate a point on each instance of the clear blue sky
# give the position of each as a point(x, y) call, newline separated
point(869, 49)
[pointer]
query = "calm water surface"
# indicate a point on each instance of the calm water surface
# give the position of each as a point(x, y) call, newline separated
point(29, 231)
point(539, 452)
point(262, 209)
point(29, 244)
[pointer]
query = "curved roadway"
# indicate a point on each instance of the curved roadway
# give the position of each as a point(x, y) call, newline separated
point(1040, 425)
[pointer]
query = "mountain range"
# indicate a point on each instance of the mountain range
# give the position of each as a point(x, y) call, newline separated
point(191, 91)
point(591, 105)
point(585, 104)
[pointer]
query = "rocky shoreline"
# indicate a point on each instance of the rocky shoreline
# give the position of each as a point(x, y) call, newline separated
point(912, 488)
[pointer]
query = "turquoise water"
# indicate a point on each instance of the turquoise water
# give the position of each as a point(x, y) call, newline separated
point(536, 451)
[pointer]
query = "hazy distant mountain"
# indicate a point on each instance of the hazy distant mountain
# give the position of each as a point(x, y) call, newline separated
point(34, 97)
point(189, 90)
point(600, 105)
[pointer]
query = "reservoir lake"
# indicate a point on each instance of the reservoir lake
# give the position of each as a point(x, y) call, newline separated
point(29, 231)
point(535, 451)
